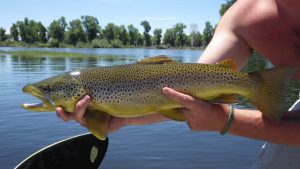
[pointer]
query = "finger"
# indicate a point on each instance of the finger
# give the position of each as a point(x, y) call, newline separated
point(63, 115)
point(181, 98)
point(80, 109)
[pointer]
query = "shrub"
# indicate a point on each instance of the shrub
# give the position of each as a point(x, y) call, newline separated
point(81, 44)
point(53, 42)
point(103, 43)
point(116, 43)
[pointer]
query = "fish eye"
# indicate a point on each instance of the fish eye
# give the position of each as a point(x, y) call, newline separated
point(46, 88)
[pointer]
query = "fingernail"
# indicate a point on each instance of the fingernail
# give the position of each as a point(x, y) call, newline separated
point(86, 98)
point(166, 91)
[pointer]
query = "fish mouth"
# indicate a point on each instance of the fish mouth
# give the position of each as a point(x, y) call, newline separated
point(46, 105)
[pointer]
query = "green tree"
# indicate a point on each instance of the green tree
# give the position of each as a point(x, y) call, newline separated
point(169, 37)
point(198, 39)
point(208, 33)
point(195, 36)
point(57, 29)
point(41, 32)
point(123, 35)
point(226, 6)
point(25, 30)
point(147, 29)
point(91, 27)
point(75, 32)
point(14, 32)
point(133, 34)
point(117, 32)
point(31, 31)
point(140, 39)
point(193, 29)
point(180, 35)
point(109, 32)
point(157, 36)
point(3, 36)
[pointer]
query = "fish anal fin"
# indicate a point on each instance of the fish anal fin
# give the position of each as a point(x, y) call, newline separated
point(174, 114)
point(224, 98)
point(228, 63)
point(97, 123)
point(160, 59)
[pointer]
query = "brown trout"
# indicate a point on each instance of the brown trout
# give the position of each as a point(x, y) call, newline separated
point(135, 89)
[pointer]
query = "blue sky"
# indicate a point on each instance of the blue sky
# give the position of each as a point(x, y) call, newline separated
point(160, 13)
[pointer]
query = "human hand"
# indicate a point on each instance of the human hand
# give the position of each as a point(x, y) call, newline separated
point(115, 123)
point(200, 115)
point(79, 111)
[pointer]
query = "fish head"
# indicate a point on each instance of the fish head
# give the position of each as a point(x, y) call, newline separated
point(58, 91)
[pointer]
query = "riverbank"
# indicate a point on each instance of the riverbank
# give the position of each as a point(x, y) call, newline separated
point(88, 45)
point(35, 53)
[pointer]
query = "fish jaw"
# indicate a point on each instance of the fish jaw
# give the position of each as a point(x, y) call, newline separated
point(46, 106)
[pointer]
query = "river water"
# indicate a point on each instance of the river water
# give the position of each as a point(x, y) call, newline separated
point(157, 146)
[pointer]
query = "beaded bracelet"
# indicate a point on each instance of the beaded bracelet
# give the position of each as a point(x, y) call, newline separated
point(229, 120)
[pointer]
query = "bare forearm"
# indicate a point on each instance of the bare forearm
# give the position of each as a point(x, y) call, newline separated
point(250, 123)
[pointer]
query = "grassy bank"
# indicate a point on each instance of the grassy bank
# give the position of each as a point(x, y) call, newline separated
point(63, 54)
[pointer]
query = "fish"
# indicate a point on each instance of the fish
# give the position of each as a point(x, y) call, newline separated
point(134, 90)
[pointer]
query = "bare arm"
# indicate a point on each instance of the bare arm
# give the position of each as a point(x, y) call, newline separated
point(203, 116)
point(227, 43)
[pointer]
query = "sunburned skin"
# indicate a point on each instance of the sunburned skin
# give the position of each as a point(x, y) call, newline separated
point(269, 27)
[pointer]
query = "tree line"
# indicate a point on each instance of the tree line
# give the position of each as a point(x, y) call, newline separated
point(87, 32)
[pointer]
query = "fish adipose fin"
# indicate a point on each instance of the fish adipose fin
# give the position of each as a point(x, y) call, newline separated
point(161, 59)
point(272, 91)
point(174, 114)
point(97, 123)
point(228, 63)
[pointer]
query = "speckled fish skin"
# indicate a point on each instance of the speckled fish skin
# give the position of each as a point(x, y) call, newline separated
point(135, 89)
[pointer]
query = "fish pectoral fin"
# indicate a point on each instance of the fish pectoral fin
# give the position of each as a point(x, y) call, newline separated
point(228, 63)
point(160, 59)
point(224, 98)
point(97, 123)
point(174, 114)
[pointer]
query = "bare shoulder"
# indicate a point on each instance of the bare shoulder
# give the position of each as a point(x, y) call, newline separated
point(245, 14)
point(270, 27)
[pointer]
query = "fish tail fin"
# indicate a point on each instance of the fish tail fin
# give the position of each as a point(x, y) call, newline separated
point(272, 90)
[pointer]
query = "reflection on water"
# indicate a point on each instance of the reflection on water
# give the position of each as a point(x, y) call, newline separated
point(58, 63)
point(164, 145)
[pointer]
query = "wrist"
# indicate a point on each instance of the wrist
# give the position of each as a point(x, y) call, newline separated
point(222, 113)
point(229, 120)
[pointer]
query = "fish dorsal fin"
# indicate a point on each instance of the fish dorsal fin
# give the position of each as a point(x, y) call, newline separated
point(228, 63)
point(160, 59)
